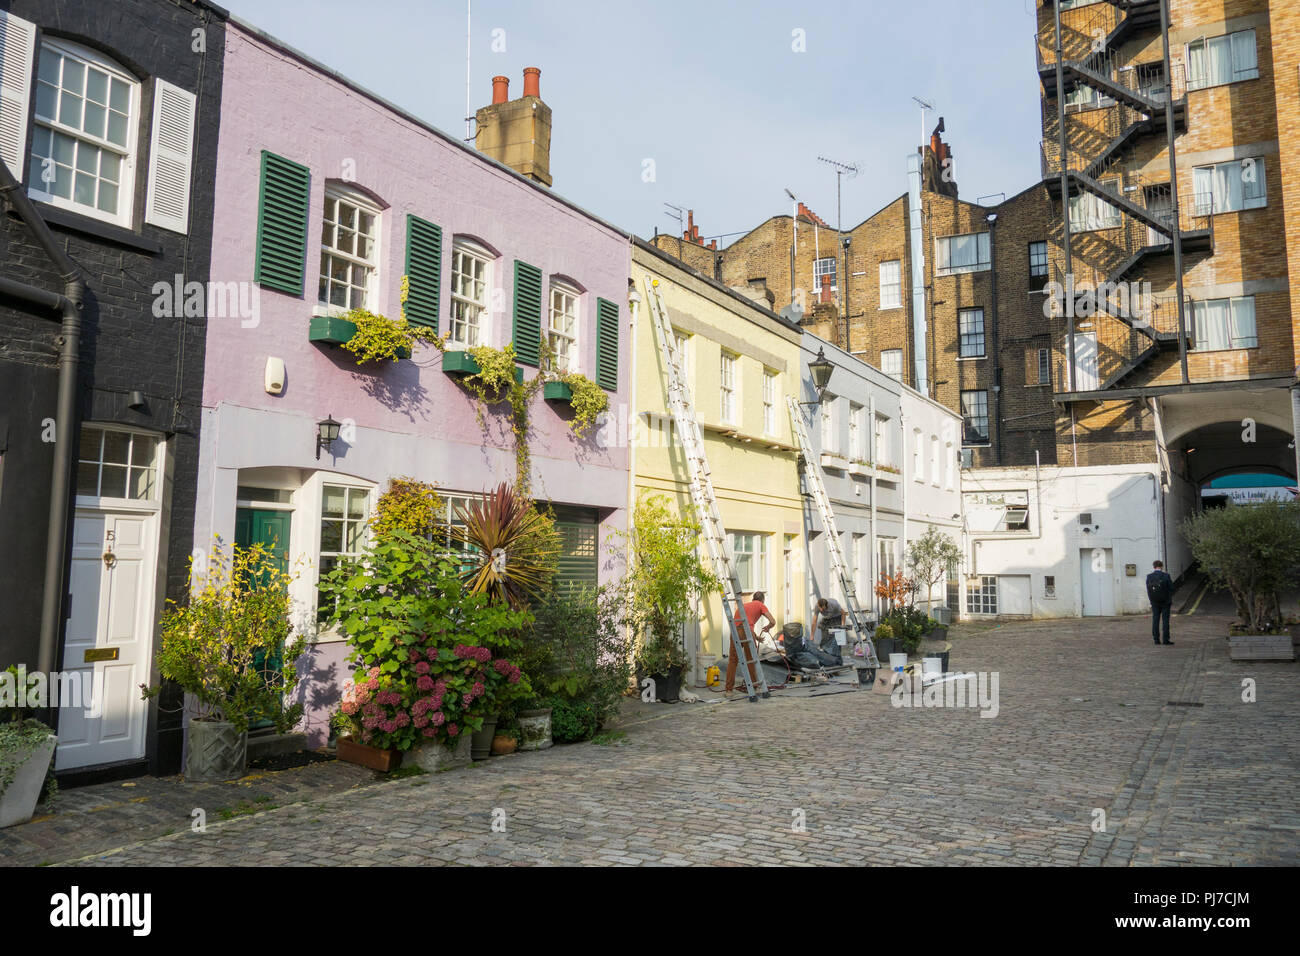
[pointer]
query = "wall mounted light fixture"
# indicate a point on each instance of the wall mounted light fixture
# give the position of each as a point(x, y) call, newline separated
point(327, 431)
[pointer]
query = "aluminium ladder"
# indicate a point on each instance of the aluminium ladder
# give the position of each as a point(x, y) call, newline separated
point(812, 472)
point(712, 531)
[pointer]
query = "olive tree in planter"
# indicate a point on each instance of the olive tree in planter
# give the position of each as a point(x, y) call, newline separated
point(664, 581)
point(26, 755)
point(929, 558)
point(1254, 552)
point(229, 649)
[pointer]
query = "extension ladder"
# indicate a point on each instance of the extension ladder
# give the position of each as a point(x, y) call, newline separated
point(712, 531)
point(839, 567)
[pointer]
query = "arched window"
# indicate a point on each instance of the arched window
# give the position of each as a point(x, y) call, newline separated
point(471, 282)
point(84, 142)
point(562, 326)
point(349, 250)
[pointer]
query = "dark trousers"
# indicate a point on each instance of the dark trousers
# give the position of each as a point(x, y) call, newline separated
point(1160, 612)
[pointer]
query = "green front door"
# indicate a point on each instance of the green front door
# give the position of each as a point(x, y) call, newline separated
point(271, 530)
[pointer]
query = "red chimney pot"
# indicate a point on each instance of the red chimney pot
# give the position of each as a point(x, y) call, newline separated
point(532, 81)
point(500, 89)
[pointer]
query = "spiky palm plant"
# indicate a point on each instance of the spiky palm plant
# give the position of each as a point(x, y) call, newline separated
point(512, 547)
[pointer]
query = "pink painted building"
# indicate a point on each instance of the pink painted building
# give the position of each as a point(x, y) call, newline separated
point(326, 197)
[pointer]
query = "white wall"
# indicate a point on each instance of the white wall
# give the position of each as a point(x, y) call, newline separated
point(1124, 504)
point(933, 492)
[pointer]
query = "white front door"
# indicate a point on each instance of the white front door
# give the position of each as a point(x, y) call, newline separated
point(1085, 361)
point(112, 619)
point(1096, 587)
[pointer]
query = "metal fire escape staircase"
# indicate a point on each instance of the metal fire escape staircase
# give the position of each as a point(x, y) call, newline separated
point(1134, 98)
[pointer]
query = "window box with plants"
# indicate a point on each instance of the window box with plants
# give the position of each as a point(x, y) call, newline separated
point(1253, 552)
point(26, 757)
point(888, 473)
point(463, 363)
point(834, 461)
point(860, 467)
point(368, 336)
point(587, 399)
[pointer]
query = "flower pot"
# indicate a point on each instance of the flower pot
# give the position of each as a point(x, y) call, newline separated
point(535, 726)
point(481, 741)
point(503, 744)
point(332, 330)
point(940, 633)
point(557, 392)
point(884, 647)
point(462, 363)
point(433, 755)
point(668, 686)
point(351, 750)
point(216, 752)
point(18, 799)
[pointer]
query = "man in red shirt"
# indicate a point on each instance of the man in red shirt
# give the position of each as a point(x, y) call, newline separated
point(755, 610)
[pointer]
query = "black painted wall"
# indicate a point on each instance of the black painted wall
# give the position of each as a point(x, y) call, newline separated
point(124, 347)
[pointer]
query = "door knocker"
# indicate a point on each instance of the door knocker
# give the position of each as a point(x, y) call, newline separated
point(110, 558)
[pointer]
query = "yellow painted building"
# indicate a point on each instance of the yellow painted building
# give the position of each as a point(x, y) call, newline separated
point(742, 361)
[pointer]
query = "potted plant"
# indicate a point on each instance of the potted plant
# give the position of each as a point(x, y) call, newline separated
point(929, 558)
point(1254, 552)
point(663, 584)
point(426, 650)
point(229, 650)
point(26, 756)
point(506, 739)
point(884, 641)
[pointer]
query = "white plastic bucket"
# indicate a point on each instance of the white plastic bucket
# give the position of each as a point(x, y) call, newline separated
point(897, 662)
point(932, 665)
point(841, 636)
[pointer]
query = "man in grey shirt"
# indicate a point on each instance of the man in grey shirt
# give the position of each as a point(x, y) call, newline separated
point(827, 615)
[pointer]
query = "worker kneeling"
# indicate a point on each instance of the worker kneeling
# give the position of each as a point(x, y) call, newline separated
point(754, 610)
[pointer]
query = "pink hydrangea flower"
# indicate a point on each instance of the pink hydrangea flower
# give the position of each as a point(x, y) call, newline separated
point(452, 730)
point(422, 667)
point(424, 682)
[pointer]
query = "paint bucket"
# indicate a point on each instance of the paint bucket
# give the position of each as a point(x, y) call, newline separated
point(931, 665)
point(841, 636)
point(897, 662)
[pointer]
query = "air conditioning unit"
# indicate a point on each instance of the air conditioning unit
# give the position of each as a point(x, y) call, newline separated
point(967, 457)
point(1085, 517)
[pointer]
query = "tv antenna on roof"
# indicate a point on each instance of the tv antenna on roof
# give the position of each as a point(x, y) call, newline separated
point(924, 106)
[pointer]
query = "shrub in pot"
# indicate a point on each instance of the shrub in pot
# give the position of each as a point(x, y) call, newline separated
point(432, 660)
point(229, 648)
point(26, 756)
point(884, 639)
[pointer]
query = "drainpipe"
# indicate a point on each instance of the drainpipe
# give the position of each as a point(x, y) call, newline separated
point(993, 335)
point(873, 557)
point(69, 304)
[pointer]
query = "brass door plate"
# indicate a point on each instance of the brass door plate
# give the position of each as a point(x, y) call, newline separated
point(100, 654)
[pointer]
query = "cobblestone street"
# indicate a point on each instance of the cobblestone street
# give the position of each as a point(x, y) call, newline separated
point(1091, 717)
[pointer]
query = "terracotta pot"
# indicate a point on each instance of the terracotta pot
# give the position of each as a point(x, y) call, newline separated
point(503, 744)
point(353, 751)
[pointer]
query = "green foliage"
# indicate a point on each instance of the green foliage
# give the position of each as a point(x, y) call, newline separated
point(411, 505)
point(18, 739)
point(432, 658)
point(578, 650)
point(1254, 552)
point(510, 545)
point(379, 338)
point(884, 631)
point(221, 645)
point(494, 383)
point(929, 557)
point(589, 402)
point(664, 581)
point(906, 624)
point(572, 720)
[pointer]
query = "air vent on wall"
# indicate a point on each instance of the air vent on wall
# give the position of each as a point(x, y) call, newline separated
point(1085, 517)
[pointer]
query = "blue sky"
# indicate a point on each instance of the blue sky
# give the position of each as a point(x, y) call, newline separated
point(713, 92)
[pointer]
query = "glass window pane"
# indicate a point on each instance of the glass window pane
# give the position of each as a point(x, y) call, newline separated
point(339, 295)
point(141, 484)
point(117, 446)
point(110, 166)
point(97, 86)
point(332, 499)
point(47, 99)
point(352, 542)
point(347, 216)
point(88, 478)
point(64, 149)
point(95, 118)
point(113, 482)
point(49, 67)
point(85, 190)
point(331, 536)
point(70, 109)
point(144, 451)
point(120, 97)
point(90, 442)
point(117, 129)
point(62, 185)
point(87, 159)
point(344, 242)
point(74, 76)
point(107, 198)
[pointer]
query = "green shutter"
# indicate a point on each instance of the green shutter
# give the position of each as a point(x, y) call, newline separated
point(282, 207)
point(578, 563)
point(528, 313)
point(423, 271)
point(606, 345)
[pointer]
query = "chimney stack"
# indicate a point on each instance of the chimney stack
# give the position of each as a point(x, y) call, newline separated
point(517, 133)
point(826, 289)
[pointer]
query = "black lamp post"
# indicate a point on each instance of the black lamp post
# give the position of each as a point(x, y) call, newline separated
point(326, 432)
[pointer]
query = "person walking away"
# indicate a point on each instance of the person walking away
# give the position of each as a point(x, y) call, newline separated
point(1160, 590)
point(754, 610)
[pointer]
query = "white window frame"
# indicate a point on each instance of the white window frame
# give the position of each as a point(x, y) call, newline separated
point(682, 340)
point(883, 446)
point(856, 451)
point(1235, 334)
point(950, 455)
point(129, 155)
point(886, 357)
point(943, 249)
point(338, 481)
point(820, 269)
point(964, 435)
point(570, 294)
point(154, 466)
point(752, 544)
point(728, 404)
point(936, 473)
point(1044, 367)
point(918, 456)
point(462, 250)
point(363, 205)
point(1038, 269)
point(982, 597)
point(830, 424)
point(1248, 69)
point(1218, 202)
point(977, 337)
point(891, 284)
point(770, 392)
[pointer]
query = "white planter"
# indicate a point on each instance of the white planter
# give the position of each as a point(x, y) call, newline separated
point(18, 801)
point(535, 727)
point(432, 755)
